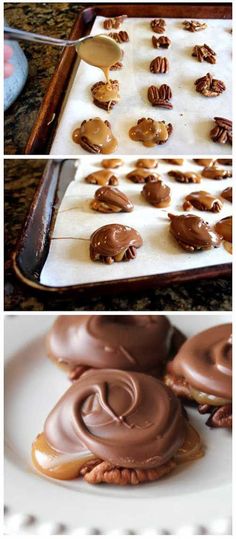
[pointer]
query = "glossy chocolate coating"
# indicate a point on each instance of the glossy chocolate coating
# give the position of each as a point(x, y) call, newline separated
point(157, 194)
point(192, 233)
point(111, 240)
point(224, 228)
point(128, 419)
point(130, 342)
point(227, 194)
point(109, 200)
point(205, 361)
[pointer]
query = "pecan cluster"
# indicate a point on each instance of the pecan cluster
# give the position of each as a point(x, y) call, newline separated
point(216, 173)
point(160, 64)
point(162, 42)
point(194, 26)
point(160, 97)
point(158, 26)
point(89, 146)
point(204, 53)
point(209, 87)
point(185, 177)
point(104, 472)
point(120, 37)
point(220, 417)
point(105, 105)
point(115, 22)
point(222, 132)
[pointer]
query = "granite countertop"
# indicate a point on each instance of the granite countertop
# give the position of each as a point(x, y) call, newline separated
point(55, 20)
point(21, 179)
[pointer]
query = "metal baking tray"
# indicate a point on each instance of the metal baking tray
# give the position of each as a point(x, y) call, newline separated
point(45, 126)
point(33, 246)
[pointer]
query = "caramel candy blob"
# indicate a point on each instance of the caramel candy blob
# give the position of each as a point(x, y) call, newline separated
point(205, 362)
point(140, 175)
point(141, 343)
point(227, 194)
point(204, 162)
point(112, 163)
point(224, 228)
point(114, 243)
point(174, 161)
point(106, 94)
point(157, 194)
point(149, 417)
point(203, 201)
point(216, 173)
point(111, 200)
point(192, 233)
point(146, 163)
point(95, 136)
point(150, 132)
point(102, 177)
point(185, 177)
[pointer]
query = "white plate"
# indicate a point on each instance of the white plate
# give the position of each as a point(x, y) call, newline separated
point(195, 499)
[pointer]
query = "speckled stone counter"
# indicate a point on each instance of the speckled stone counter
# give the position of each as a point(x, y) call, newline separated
point(55, 20)
point(21, 180)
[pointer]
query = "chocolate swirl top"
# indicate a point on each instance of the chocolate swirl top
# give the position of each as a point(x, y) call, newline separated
point(111, 199)
point(193, 233)
point(129, 419)
point(157, 193)
point(110, 240)
point(205, 361)
point(129, 342)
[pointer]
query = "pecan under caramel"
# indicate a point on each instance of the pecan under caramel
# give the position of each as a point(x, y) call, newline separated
point(216, 173)
point(222, 132)
point(119, 37)
point(115, 22)
point(194, 26)
point(105, 472)
point(160, 64)
point(160, 97)
point(204, 53)
point(185, 177)
point(158, 26)
point(162, 42)
point(209, 87)
point(105, 94)
point(221, 417)
point(116, 66)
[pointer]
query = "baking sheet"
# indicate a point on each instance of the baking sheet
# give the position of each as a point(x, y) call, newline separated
point(68, 261)
point(192, 115)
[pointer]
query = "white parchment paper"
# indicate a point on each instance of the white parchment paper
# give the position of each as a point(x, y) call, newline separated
point(192, 115)
point(68, 261)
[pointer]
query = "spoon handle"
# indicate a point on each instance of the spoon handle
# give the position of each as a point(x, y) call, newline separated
point(14, 33)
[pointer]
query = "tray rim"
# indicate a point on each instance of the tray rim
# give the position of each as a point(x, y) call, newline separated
point(68, 58)
point(149, 281)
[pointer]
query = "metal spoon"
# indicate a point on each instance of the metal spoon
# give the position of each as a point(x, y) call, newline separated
point(102, 43)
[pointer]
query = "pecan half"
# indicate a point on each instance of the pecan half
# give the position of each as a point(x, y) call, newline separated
point(162, 42)
point(115, 22)
point(158, 26)
point(105, 105)
point(194, 26)
point(120, 37)
point(160, 97)
point(105, 472)
point(160, 64)
point(185, 177)
point(88, 146)
point(221, 417)
point(179, 385)
point(216, 173)
point(204, 53)
point(222, 132)
point(209, 87)
point(116, 66)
